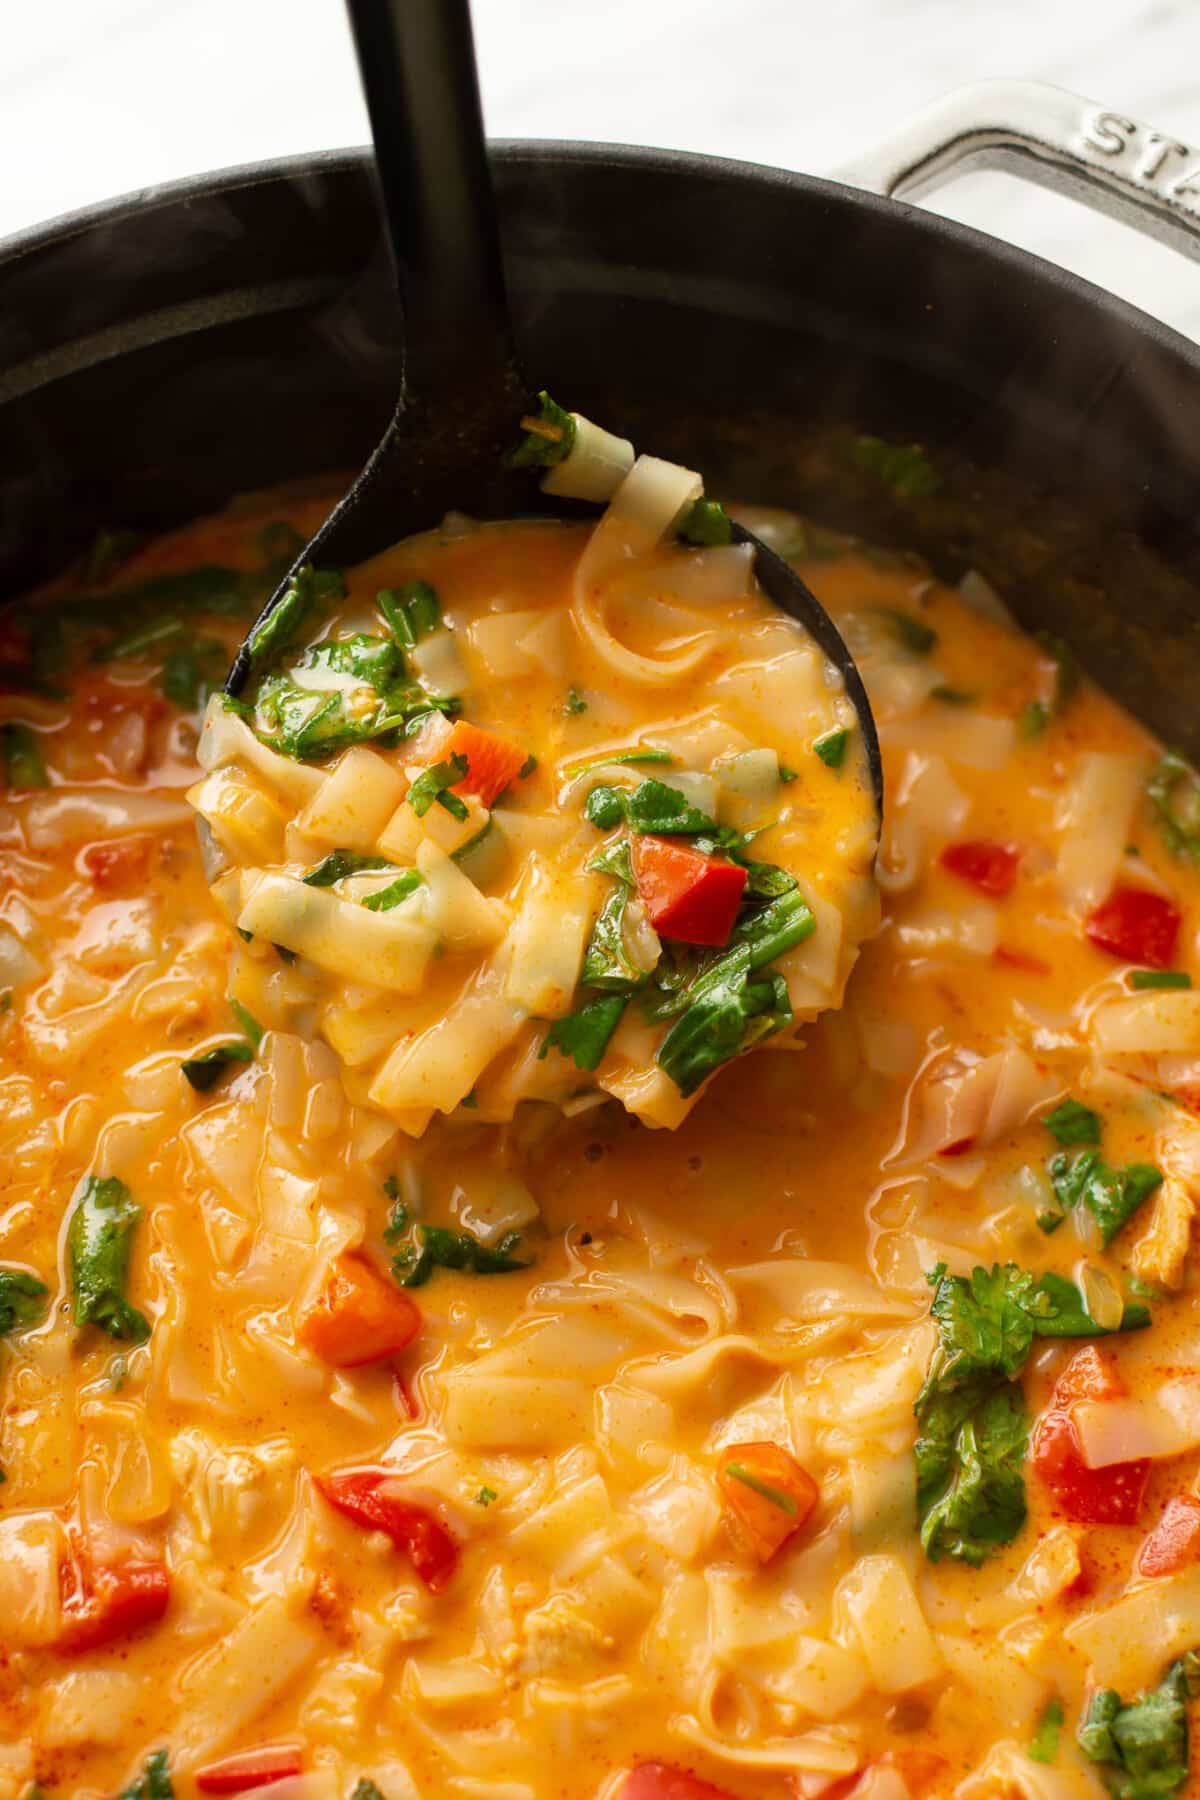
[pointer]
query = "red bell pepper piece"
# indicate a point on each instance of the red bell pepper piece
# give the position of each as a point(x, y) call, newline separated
point(659, 1781)
point(1175, 1540)
point(357, 1317)
point(247, 1769)
point(990, 867)
point(106, 1601)
point(1136, 925)
point(1108, 1496)
point(374, 1499)
point(687, 895)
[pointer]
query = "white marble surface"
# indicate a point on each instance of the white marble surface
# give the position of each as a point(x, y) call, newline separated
point(100, 96)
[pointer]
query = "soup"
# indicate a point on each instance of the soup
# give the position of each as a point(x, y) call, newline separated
point(840, 1438)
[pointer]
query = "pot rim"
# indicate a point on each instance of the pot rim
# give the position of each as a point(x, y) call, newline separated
point(44, 234)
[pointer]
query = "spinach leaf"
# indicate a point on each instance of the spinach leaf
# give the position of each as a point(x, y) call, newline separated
point(204, 1071)
point(1174, 791)
point(154, 1784)
point(99, 1242)
point(412, 612)
point(726, 1013)
point(340, 863)
point(706, 522)
point(1112, 1196)
point(23, 763)
point(1073, 1123)
point(768, 931)
point(832, 747)
point(21, 1296)
point(310, 593)
point(142, 638)
point(584, 1035)
point(1142, 1745)
point(191, 672)
point(437, 1248)
point(904, 468)
point(312, 721)
point(549, 437)
point(435, 782)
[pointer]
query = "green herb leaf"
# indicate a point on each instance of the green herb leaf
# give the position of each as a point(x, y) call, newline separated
point(365, 1789)
point(584, 1034)
point(651, 807)
point(433, 784)
point(1073, 1123)
point(247, 1021)
point(191, 672)
point(914, 634)
point(154, 1784)
point(312, 719)
point(832, 747)
point(1141, 1746)
point(485, 1496)
point(574, 704)
point(636, 754)
point(99, 1242)
point(1174, 791)
point(785, 1502)
point(412, 612)
point(904, 468)
point(1112, 1196)
point(1142, 979)
point(142, 638)
point(309, 594)
point(952, 696)
point(706, 522)
point(341, 863)
point(726, 1014)
point(437, 1248)
point(395, 892)
point(21, 1296)
point(549, 437)
point(204, 1071)
point(1044, 1746)
point(1036, 715)
point(23, 763)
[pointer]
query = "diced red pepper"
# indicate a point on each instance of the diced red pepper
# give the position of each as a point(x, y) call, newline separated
point(1109, 1496)
point(374, 1499)
point(688, 896)
point(493, 762)
point(1175, 1540)
point(1136, 925)
point(768, 1494)
point(659, 1781)
point(102, 1602)
point(249, 1769)
point(357, 1317)
point(990, 867)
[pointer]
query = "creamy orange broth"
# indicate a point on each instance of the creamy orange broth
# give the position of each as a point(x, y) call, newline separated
point(757, 1274)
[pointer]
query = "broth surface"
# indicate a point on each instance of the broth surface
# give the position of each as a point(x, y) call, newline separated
point(758, 1275)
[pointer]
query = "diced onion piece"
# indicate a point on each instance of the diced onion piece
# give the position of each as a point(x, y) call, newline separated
point(1094, 817)
point(594, 467)
point(749, 787)
point(226, 739)
point(463, 918)
point(1122, 1430)
point(698, 790)
point(549, 936)
point(440, 1067)
point(354, 802)
point(1149, 1024)
point(404, 832)
point(391, 949)
point(247, 821)
point(438, 665)
point(1101, 1296)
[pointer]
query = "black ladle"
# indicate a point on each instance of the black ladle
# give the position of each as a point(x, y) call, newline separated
point(463, 390)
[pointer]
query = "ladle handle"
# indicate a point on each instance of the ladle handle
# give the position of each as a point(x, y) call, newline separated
point(417, 61)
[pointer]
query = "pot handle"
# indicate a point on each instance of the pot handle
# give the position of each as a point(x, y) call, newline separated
point(1044, 134)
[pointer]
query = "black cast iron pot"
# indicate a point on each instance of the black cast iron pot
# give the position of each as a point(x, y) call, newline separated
point(163, 352)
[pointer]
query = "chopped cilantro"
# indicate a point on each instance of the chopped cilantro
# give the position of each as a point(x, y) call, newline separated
point(437, 1248)
point(574, 704)
point(1112, 1196)
point(247, 1021)
point(726, 1014)
point(1174, 791)
point(485, 1496)
point(23, 763)
point(651, 807)
point(341, 863)
point(637, 754)
point(786, 775)
point(365, 1789)
point(1140, 979)
point(1044, 1745)
point(394, 893)
point(1141, 1745)
point(1073, 1123)
point(312, 721)
point(832, 747)
point(204, 1071)
point(154, 1784)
